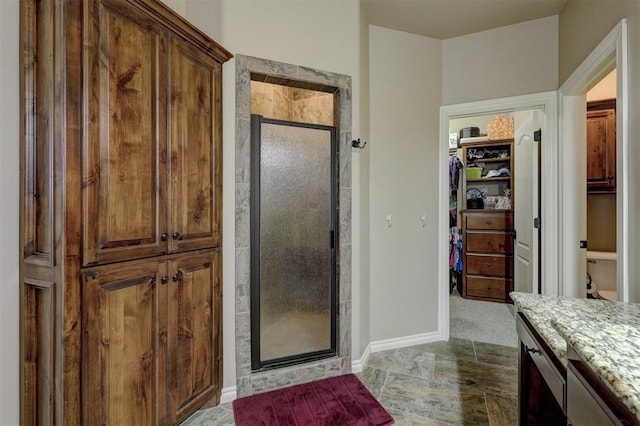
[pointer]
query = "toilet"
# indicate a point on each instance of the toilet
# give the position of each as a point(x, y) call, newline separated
point(601, 266)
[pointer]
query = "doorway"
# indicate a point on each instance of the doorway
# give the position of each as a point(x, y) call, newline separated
point(250, 71)
point(293, 253)
point(545, 104)
point(610, 54)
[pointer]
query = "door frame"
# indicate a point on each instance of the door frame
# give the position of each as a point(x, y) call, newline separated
point(610, 53)
point(546, 101)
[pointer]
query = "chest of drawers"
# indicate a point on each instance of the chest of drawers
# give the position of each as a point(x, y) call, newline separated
point(487, 254)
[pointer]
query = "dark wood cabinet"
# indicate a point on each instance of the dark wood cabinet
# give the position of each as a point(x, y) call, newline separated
point(194, 333)
point(552, 393)
point(120, 215)
point(124, 317)
point(487, 254)
point(601, 146)
point(542, 383)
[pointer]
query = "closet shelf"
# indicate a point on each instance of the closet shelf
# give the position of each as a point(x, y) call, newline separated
point(489, 160)
point(493, 179)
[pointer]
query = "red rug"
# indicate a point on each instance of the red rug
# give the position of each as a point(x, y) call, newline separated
point(337, 401)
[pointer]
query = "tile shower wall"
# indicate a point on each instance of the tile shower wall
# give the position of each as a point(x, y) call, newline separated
point(291, 104)
point(248, 382)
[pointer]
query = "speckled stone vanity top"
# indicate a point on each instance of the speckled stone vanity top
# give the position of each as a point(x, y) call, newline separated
point(606, 335)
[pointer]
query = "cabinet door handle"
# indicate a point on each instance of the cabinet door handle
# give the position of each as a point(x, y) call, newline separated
point(175, 235)
point(164, 279)
point(164, 236)
point(175, 277)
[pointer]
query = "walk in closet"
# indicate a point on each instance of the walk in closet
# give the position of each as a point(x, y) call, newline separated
point(121, 214)
point(482, 224)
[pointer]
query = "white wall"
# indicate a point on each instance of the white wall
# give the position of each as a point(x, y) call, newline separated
point(405, 87)
point(323, 35)
point(9, 190)
point(513, 60)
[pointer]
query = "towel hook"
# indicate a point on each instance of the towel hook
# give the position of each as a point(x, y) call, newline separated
point(356, 144)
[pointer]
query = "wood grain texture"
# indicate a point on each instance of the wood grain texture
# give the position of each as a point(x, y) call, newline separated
point(125, 167)
point(38, 318)
point(489, 242)
point(601, 151)
point(123, 313)
point(94, 184)
point(195, 148)
point(487, 254)
point(193, 333)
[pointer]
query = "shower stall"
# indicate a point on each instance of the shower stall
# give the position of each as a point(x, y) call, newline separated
point(293, 242)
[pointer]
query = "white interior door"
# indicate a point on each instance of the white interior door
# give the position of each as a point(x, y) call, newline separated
point(526, 200)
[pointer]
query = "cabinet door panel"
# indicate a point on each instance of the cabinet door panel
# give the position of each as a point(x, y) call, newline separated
point(195, 148)
point(601, 141)
point(124, 358)
point(124, 170)
point(194, 332)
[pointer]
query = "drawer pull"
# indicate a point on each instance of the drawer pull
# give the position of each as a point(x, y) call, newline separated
point(532, 350)
point(489, 222)
point(488, 264)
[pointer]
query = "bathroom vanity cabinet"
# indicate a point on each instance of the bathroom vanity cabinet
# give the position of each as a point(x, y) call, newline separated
point(578, 361)
point(601, 146)
point(120, 214)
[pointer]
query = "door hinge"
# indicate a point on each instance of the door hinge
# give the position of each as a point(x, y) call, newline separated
point(536, 222)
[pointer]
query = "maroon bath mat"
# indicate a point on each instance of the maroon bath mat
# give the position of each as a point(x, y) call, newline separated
point(337, 401)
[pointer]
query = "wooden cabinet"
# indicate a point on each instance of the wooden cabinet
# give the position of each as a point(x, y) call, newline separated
point(601, 146)
point(589, 400)
point(542, 384)
point(552, 393)
point(175, 177)
point(194, 338)
point(487, 254)
point(149, 334)
point(493, 164)
point(120, 217)
point(124, 357)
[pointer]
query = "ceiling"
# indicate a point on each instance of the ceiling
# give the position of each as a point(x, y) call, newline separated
point(443, 19)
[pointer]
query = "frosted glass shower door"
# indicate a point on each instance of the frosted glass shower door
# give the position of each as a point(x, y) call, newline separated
point(293, 211)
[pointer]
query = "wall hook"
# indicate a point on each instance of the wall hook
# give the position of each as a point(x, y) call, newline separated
point(356, 144)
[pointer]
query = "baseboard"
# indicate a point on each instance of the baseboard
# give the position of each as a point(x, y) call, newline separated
point(400, 342)
point(403, 342)
point(228, 394)
point(357, 365)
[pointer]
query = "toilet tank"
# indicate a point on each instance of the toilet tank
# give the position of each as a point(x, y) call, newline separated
point(602, 268)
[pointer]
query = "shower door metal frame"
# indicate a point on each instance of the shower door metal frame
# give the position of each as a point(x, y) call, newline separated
point(256, 363)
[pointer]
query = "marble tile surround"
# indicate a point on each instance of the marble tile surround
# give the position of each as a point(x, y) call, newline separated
point(247, 382)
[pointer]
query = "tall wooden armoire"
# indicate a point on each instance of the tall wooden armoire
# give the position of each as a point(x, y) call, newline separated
point(120, 214)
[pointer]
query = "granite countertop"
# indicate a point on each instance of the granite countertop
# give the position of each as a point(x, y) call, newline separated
point(606, 335)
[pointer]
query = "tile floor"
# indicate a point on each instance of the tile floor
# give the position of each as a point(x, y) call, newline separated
point(459, 382)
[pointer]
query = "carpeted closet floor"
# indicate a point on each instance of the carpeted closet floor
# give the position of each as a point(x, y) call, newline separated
point(470, 380)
